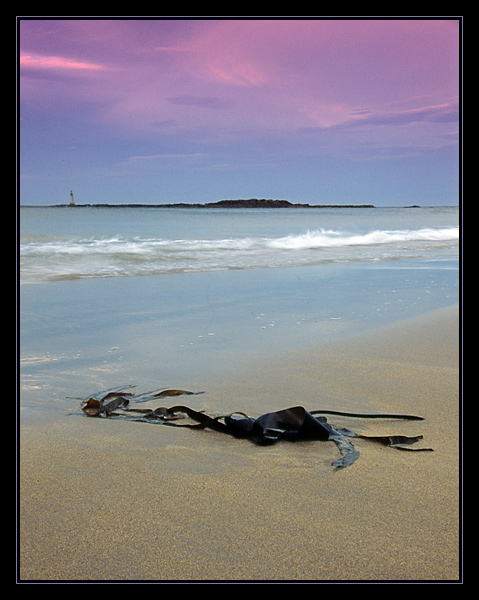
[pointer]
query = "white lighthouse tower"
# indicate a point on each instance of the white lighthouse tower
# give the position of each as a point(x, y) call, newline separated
point(72, 199)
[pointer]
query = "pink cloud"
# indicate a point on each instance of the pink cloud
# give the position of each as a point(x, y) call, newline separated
point(268, 51)
point(317, 72)
point(57, 62)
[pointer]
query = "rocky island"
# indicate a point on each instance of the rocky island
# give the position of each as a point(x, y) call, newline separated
point(263, 203)
point(248, 203)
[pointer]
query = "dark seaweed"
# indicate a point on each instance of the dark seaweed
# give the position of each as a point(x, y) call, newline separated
point(292, 424)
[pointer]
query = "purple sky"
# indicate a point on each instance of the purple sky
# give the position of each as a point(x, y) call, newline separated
point(164, 110)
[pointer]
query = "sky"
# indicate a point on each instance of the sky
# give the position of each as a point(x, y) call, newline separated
point(313, 110)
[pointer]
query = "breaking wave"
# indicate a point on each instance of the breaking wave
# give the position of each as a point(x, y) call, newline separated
point(335, 239)
point(48, 257)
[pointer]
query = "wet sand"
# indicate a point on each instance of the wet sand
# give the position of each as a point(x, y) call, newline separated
point(118, 501)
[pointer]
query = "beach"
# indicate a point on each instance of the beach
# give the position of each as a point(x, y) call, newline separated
point(111, 500)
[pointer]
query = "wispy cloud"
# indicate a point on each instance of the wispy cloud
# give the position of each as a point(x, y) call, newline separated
point(203, 101)
point(57, 62)
point(149, 157)
point(439, 113)
point(150, 164)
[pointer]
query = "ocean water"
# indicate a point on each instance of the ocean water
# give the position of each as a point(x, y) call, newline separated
point(161, 297)
point(83, 242)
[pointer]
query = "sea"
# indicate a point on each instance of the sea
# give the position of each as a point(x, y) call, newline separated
point(168, 297)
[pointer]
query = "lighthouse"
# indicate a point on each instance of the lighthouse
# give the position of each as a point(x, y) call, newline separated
point(72, 199)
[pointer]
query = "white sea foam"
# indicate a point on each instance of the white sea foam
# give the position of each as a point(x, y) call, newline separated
point(53, 256)
point(334, 239)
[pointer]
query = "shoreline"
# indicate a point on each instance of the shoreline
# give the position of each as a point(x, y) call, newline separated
point(119, 501)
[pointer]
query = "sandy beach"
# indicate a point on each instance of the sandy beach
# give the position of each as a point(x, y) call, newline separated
point(110, 500)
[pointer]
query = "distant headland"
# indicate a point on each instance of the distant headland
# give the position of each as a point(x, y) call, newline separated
point(249, 203)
